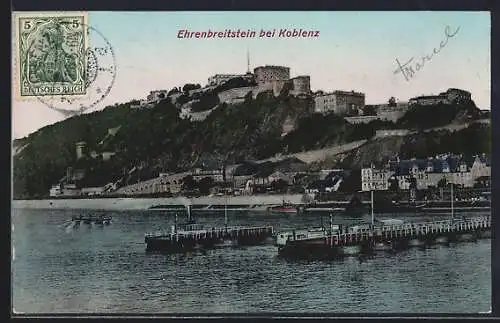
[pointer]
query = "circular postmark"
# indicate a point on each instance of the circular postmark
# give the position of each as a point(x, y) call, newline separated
point(69, 72)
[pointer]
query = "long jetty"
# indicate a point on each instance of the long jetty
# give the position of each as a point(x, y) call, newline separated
point(385, 237)
point(183, 241)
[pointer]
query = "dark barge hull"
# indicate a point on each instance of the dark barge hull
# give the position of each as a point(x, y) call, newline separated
point(168, 245)
point(320, 250)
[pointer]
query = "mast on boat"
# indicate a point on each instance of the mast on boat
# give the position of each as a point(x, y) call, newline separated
point(225, 213)
point(371, 196)
point(452, 201)
point(331, 229)
point(331, 223)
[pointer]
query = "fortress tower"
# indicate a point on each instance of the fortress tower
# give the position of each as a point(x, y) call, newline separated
point(301, 85)
point(269, 73)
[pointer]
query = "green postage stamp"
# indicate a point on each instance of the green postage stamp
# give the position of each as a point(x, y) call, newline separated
point(51, 54)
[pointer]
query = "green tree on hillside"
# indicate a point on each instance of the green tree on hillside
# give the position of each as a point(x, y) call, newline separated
point(188, 183)
point(205, 184)
point(393, 184)
point(442, 183)
point(417, 117)
point(173, 91)
point(190, 86)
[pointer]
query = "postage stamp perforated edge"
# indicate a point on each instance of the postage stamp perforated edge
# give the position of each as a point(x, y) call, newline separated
point(16, 59)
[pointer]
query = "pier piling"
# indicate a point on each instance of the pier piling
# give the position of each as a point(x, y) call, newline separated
point(395, 236)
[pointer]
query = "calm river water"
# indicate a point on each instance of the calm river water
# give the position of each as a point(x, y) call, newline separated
point(58, 268)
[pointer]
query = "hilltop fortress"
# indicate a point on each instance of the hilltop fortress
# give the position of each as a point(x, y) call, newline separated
point(234, 88)
point(267, 78)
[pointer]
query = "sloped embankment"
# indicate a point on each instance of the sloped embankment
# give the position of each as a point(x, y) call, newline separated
point(475, 139)
point(374, 150)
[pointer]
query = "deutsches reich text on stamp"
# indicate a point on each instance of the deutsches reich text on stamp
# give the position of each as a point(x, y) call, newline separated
point(51, 53)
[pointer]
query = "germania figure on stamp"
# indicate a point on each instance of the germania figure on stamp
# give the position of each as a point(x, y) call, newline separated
point(51, 54)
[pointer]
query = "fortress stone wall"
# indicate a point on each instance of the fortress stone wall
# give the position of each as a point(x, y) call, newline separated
point(269, 73)
point(361, 119)
point(301, 85)
point(235, 95)
point(392, 113)
point(274, 86)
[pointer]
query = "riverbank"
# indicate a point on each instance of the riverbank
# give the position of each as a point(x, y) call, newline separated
point(146, 203)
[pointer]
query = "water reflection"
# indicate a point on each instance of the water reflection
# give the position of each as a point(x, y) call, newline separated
point(106, 269)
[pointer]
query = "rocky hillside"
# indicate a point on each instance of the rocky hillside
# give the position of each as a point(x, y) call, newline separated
point(476, 139)
point(424, 117)
point(158, 140)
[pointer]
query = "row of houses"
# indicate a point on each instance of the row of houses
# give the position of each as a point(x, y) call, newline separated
point(457, 169)
point(429, 172)
point(73, 190)
point(254, 178)
point(246, 178)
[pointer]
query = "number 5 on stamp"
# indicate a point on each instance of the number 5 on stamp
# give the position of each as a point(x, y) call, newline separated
point(51, 54)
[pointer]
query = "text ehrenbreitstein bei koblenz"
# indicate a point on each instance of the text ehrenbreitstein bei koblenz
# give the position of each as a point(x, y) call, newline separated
point(249, 33)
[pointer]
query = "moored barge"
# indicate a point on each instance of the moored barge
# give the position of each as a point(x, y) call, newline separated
point(367, 238)
point(191, 236)
point(392, 234)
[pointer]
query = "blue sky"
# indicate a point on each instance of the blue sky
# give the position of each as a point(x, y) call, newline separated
point(355, 51)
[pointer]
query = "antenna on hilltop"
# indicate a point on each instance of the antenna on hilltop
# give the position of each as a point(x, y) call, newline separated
point(248, 61)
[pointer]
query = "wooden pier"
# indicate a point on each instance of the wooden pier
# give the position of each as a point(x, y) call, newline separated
point(206, 238)
point(385, 237)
